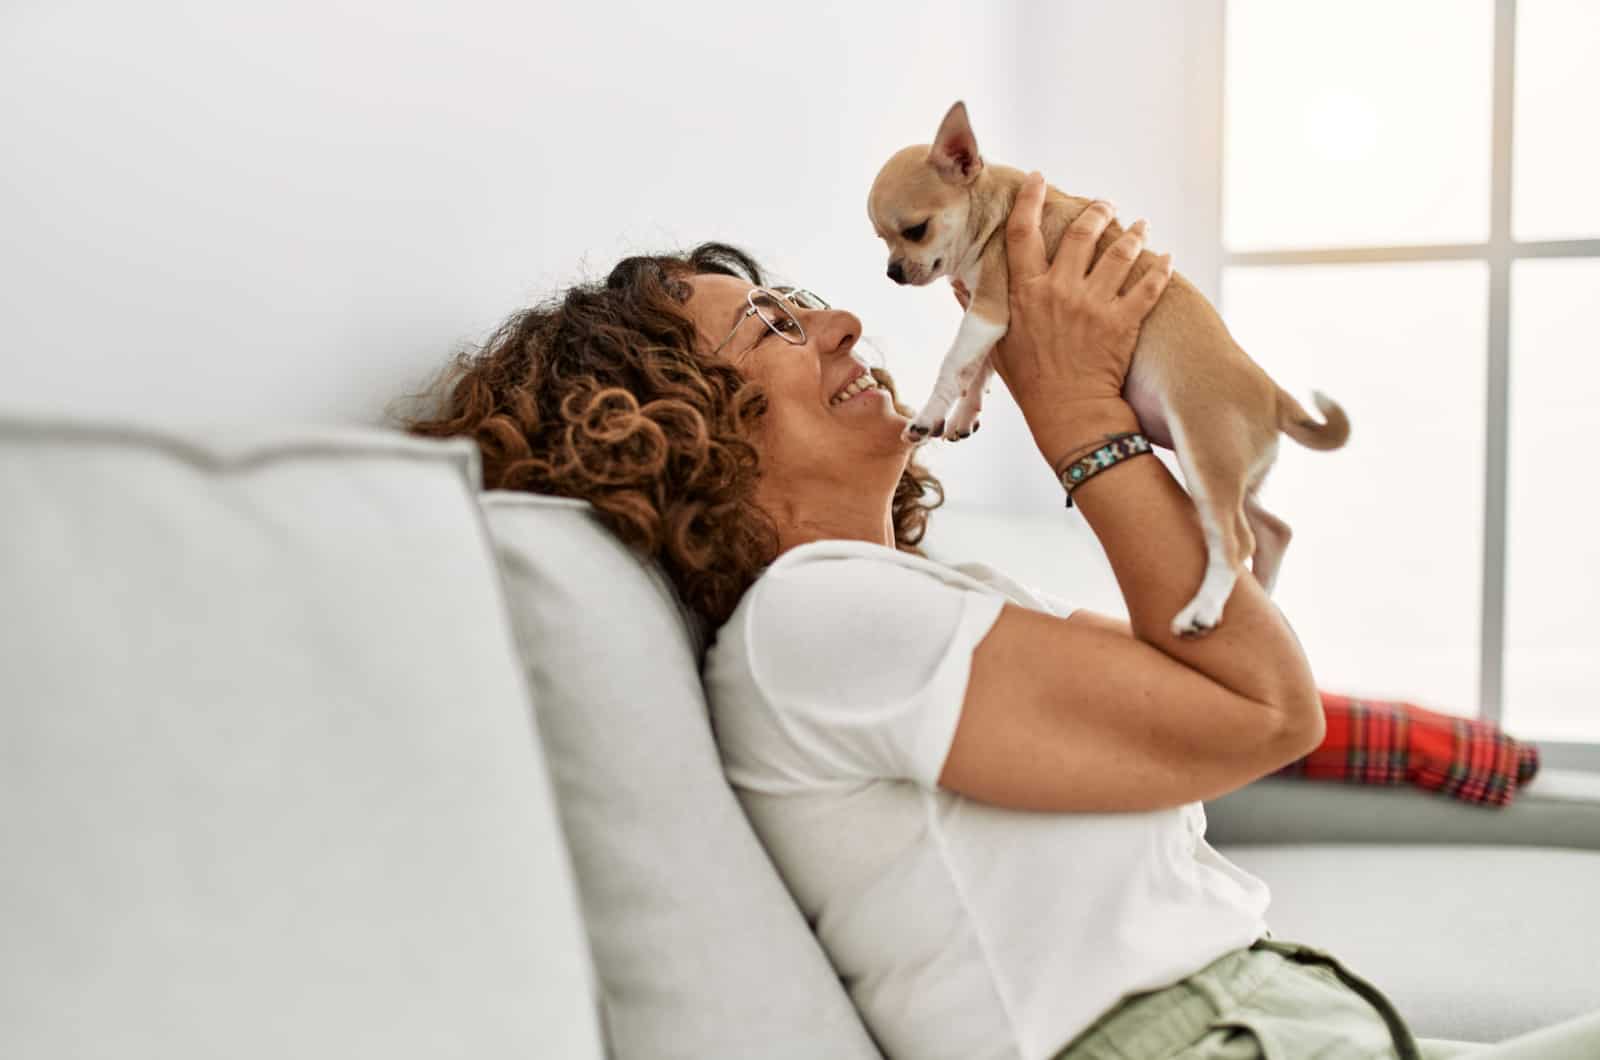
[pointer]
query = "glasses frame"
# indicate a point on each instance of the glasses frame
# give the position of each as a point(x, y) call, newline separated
point(800, 297)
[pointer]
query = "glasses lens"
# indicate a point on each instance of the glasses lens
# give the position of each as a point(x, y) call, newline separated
point(778, 317)
point(804, 298)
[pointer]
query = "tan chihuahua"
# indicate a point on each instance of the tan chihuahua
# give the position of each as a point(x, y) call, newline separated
point(942, 212)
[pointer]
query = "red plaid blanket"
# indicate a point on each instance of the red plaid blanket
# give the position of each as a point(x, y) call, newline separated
point(1376, 741)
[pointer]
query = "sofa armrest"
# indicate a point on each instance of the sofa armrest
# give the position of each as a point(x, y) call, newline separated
point(1559, 808)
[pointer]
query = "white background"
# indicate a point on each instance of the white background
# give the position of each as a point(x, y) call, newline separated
point(300, 212)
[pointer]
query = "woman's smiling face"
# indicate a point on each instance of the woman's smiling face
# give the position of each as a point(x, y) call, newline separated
point(818, 427)
point(802, 381)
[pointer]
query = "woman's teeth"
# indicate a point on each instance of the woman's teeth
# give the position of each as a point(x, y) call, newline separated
point(864, 381)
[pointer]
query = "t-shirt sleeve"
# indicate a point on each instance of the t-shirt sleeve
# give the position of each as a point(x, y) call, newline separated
point(1057, 605)
point(865, 663)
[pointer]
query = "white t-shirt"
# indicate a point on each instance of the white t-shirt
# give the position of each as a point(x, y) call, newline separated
point(961, 929)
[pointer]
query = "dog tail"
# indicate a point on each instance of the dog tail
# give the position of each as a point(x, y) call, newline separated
point(1293, 420)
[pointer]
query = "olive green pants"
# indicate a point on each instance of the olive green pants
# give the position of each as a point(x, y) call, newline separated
point(1284, 1001)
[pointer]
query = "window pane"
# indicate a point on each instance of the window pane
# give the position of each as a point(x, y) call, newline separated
point(1382, 579)
point(1552, 686)
point(1359, 123)
point(1555, 158)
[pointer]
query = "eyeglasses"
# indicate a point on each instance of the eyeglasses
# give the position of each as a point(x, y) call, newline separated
point(772, 306)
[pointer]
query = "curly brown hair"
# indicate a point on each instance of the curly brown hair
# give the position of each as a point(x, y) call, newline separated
point(601, 393)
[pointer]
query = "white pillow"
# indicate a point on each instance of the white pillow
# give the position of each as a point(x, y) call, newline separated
point(270, 785)
point(700, 950)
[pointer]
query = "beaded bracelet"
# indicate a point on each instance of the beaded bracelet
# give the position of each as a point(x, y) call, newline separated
point(1084, 450)
point(1114, 450)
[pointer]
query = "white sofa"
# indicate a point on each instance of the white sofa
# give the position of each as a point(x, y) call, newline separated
point(311, 749)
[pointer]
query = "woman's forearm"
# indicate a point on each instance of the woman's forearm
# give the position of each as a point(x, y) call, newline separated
point(1152, 534)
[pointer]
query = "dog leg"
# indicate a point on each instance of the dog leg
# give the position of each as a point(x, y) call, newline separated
point(1203, 613)
point(1272, 538)
point(964, 420)
point(975, 338)
point(1217, 486)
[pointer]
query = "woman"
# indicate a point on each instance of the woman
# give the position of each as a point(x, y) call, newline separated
point(987, 803)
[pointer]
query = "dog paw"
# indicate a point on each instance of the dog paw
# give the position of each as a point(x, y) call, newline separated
point(1189, 629)
point(1200, 617)
point(963, 422)
point(922, 428)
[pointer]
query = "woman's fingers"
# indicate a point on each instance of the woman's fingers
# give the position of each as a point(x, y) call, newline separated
point(1025, 257)
point(1111, 271)
point(1079, 240)
point(1142, 296)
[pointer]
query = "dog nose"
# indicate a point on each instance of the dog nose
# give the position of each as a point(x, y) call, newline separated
point(896, 273)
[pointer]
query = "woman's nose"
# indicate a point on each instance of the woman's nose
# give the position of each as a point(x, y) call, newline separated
point(840, 332)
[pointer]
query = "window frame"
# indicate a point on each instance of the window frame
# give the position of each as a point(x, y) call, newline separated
point(1499, 253)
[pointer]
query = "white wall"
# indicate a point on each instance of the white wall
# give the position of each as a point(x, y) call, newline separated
point(298, 212)
point(1123, 102)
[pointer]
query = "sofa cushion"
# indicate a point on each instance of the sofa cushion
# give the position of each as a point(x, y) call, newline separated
point(1557, 808)
point(701, 951)
point(270, 783)
point(1470, 942)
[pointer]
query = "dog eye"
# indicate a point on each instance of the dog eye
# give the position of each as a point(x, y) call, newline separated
point(915, 232)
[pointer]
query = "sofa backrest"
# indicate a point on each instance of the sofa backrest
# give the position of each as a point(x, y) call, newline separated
point(700, 950)
point(270, 783)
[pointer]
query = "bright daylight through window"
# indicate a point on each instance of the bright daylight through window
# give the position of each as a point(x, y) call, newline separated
point(1409, 224)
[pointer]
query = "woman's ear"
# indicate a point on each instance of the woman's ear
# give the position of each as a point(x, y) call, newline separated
point(954, 155)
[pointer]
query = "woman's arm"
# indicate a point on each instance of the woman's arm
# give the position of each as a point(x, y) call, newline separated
point(1153, 537)
point(1075, 714)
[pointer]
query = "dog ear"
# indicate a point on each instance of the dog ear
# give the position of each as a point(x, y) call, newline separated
point(954, 154)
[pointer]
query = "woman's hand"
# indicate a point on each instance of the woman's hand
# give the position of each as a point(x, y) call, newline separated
point(1072, 334)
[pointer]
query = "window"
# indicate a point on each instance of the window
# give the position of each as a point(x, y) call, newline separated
point(1409, 225)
